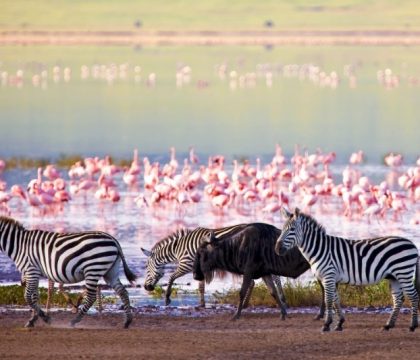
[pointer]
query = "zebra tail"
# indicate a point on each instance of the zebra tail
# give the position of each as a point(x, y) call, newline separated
point(131, 277)
point(417, 278)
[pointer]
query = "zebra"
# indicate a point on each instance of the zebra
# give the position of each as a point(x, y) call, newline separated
point(65, 258)
point(181, 247)
point(337, 260)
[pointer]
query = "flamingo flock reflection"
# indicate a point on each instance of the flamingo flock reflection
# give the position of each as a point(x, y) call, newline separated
point(233, 75)
point(305, 180)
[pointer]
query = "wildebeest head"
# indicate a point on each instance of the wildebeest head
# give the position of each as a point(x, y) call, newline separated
point(205, 258)
point(154, 270)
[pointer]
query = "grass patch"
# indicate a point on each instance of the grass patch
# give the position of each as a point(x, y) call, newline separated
point(14, 295)
point(298, 294)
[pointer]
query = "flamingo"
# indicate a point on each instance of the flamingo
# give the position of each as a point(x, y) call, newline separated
point(356, 158)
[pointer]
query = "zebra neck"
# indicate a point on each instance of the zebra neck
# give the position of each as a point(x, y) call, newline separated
point(11, 241)
point(168, 251)
point(314, 243)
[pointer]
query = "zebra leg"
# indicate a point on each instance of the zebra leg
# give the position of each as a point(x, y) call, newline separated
point(398, 298)
point(91, 284)
point(123, 294)
point(274, 293)
point(99, 299)
point(413, 296)
point(248, 294)
point(50, 294)
point(341, 318)
point(31, 297)
point(242, 293)
point(277, 282)
point(111, 278)
point(322, 305)
point(329, 294)
point(175, 275)
point(201, 289)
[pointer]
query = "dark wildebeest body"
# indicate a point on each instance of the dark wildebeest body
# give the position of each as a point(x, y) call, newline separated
point(250, 253)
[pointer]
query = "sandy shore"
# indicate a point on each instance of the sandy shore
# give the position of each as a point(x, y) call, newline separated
point(254, 336)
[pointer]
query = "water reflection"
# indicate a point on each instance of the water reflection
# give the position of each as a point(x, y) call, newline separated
point(235, 101)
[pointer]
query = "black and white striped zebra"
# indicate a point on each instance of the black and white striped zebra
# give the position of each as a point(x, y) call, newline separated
point(65, 258)
point(336, 260)
point(181, 247)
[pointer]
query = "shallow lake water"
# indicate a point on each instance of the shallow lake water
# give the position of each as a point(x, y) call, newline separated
point(237, 101)
point(138, 227)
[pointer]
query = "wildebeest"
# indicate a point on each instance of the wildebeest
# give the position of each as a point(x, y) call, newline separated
point(181, 247)
point(249, 252)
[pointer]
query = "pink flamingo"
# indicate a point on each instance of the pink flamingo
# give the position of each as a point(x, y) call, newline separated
point(393, 160)
point(356, 158)
point(51, 172)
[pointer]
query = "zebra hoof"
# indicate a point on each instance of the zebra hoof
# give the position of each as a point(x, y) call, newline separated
point(325, 328)
point(127, 323)
point(29, 324)
point(387, 327)
point(47, 319)
point(338, 328)
point(167, 302)
point(412, 328)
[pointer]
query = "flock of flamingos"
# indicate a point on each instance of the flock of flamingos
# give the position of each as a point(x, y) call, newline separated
point(304, 180)
point(40, 76)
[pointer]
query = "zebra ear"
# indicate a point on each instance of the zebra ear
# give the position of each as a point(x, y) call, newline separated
point(146, 252)
point(297, 212)
point(286, 214)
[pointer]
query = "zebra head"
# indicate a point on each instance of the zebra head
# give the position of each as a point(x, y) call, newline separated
point(290, 235)
point(154, 270)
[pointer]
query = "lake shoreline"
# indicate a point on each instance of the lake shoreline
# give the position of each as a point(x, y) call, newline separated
point(211, 37)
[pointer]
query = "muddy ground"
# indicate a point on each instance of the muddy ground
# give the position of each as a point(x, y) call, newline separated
point(214, 336)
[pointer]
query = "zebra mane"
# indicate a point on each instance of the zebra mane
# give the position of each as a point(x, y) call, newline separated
point(9, 221)
point(176, 235)
point(309, 220)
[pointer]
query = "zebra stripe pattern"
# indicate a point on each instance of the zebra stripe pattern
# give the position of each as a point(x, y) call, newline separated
point(65, 258)
point(336, 260)
point(181, 247)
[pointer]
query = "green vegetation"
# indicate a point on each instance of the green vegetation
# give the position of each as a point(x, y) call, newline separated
point(298, 294)
point(14, 295)
point(208, 15)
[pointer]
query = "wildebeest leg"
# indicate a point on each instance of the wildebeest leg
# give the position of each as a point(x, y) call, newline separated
point(175, 275)
point(248, 294)
point(242, 293)
point(322, 305)
point(201, 289)
point(274, 293)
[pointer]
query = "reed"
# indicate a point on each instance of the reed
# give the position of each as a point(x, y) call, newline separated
point(14, 295)
point(300, 295)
